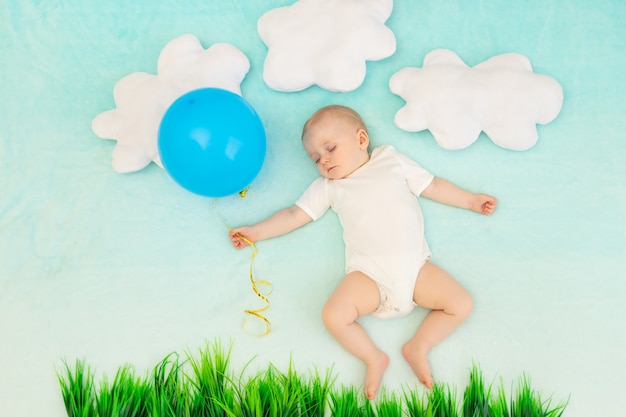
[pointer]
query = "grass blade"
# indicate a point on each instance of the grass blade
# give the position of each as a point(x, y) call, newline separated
point(441, 402)
point(389, 405)
point(416, 404)
point(210, 379)
point(476, 398)
point(77, 389)
point(170, 394)
point(125, 397)
point(314, 395)
point(350, 402)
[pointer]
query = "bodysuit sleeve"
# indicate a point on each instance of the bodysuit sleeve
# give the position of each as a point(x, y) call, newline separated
point(315, 199)
point(417, 178)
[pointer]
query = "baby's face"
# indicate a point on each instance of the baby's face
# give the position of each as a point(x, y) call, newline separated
point(337, 147)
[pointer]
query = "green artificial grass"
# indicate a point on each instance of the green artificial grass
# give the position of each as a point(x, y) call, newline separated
point(349, 402)
point(389, 404)
point(77, 388)
point(125, 396)
point(203, 385)
point(210, 383)
point(314, 394)
point(477, 399)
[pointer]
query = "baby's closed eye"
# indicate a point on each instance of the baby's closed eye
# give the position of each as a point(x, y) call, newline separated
point(315, 157)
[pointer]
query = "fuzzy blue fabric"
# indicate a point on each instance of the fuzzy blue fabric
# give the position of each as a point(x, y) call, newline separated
point(125, 268)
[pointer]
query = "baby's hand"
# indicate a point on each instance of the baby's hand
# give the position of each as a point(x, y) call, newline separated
point(484, 204)
point(239, 236)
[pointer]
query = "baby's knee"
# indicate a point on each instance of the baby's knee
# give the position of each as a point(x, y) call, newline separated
point(329, 316)
point(464, 306)
point(335, 316)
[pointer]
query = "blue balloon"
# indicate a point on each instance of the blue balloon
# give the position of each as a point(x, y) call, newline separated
point(212, 142)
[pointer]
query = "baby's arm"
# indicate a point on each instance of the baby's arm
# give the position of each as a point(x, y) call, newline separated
point(445, 192)
point(281, 222)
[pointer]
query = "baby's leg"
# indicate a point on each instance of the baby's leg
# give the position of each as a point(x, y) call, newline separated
point(451, 304)
point(357, 295)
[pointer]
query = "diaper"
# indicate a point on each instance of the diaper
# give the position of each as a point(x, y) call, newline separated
point(387, 309)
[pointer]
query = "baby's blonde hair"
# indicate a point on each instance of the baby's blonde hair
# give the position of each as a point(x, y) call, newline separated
point(335, 110)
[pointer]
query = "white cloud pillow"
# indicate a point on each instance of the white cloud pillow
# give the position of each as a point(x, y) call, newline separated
point(501, 96)
point(141, 99)
point(324, 43)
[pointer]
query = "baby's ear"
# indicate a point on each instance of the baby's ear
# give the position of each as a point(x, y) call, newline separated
point(364, 139)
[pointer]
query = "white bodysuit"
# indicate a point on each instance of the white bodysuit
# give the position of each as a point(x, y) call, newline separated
point(383, 226)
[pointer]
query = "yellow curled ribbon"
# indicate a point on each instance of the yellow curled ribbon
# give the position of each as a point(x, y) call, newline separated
point(255, 282)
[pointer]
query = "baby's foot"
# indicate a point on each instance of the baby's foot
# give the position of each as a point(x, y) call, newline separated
point(417, 357)
point(374, 374)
